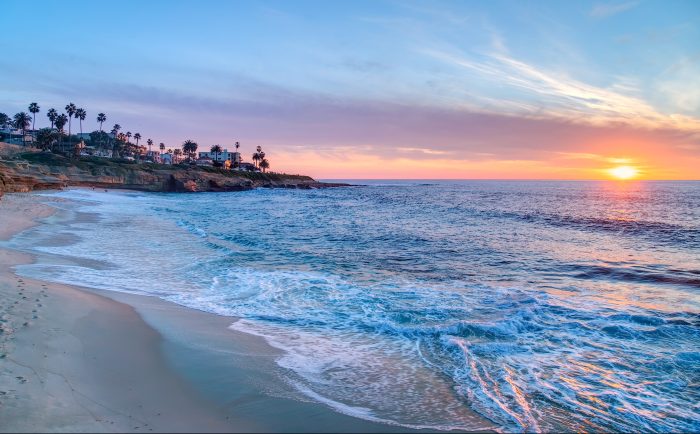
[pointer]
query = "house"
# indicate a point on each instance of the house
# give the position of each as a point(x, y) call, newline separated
point(101, 152)
point(225, 155)
point(153, 156)
point(166, 158)
point(204, 161)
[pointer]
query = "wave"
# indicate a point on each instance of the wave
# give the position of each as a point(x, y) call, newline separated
point(672, 276)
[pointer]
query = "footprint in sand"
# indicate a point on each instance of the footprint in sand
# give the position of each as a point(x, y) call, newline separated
point(22, 380)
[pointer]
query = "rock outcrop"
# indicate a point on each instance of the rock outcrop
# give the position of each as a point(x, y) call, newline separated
point(40, 170)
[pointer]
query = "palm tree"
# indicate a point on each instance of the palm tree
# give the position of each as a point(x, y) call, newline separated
point(177, 154)
point(33, 109)
point(61, 121)
point(70, 109)
point(115, 133)
point(128, 136)
point(4, 120)
point(256, 158)
point(162, 147)
point(137, 137)
point(189, 147)
point(236, 161)
point(216, 149)
point(81, 114)
point(101, 117)
point(21, 122)
point(52, 114)
point(264, 164)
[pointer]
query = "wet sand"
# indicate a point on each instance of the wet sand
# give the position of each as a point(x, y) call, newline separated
point(83, 360)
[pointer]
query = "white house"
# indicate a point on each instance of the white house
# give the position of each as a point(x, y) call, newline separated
point(233, 157)
point(153, 156)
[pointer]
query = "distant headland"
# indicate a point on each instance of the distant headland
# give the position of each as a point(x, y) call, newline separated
point(49, 158)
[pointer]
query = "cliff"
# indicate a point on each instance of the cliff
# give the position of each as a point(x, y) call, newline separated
point(41, 170)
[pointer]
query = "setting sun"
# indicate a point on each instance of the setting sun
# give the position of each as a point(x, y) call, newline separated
point(623, 172)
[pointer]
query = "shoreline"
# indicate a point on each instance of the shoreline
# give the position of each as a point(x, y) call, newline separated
point(97, 360)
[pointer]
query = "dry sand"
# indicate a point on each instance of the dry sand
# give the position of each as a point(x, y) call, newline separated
point(80, 360)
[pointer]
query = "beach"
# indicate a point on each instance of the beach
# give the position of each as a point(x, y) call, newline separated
point(73, 359)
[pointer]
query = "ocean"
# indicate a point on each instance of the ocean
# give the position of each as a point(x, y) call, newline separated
point(542, 306)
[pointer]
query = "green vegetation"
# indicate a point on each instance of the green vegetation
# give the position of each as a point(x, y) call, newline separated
point(117, 146)
point(121, 166)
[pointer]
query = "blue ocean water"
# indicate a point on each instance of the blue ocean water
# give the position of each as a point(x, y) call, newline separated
point(540, 305)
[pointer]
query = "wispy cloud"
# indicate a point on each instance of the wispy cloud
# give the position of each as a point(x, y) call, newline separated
point(604, 10)
point(563, 97)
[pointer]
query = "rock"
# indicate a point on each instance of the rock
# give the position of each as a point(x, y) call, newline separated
point(41, 170)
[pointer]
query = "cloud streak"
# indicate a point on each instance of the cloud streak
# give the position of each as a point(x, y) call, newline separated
point(561, 97)
point(604, 10)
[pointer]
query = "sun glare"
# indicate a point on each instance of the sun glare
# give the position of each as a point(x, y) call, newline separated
point(623, 172)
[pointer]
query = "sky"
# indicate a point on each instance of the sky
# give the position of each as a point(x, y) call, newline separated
point(378, 89)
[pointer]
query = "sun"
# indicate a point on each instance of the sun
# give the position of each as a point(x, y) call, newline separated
point(623, 172)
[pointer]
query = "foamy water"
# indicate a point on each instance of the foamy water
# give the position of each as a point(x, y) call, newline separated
point(540, 305)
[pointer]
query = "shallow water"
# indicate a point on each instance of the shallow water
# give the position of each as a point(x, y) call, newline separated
point(540, 305)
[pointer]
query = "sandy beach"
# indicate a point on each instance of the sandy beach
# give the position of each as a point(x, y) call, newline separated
point(73, 359)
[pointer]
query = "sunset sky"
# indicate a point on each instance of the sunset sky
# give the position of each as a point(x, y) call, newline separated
point(378, 89)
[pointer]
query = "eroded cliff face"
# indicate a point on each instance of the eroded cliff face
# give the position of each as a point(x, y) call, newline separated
point(38, 171)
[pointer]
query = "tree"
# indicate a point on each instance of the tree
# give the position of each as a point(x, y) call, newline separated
point(99, 137)
point(61, 121)
point(21, 122)
point(46, 137)
point(52, 114)
point(189, 147)
point(33, 109)
point(177, 154)
point(70, 110)
point(216, 149)
point(101, 117)
point(137, 137)
point(81, 114)
point(236, 161)
point(4, 120)
point(162, 147)
point(115, 132)
point(150, 143)
point(258, 156)
point(264, 164)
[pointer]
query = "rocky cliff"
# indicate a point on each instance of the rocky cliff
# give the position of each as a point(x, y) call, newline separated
point(41, 170)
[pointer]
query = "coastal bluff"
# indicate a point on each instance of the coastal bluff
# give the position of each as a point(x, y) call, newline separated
point(28, 171)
